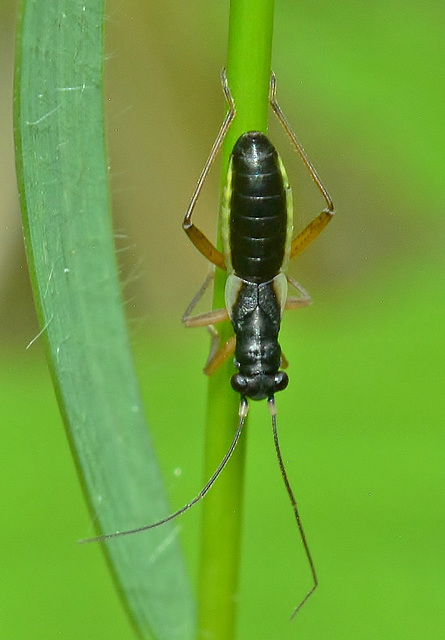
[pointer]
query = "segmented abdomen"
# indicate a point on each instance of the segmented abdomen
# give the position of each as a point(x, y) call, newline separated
point(258, 214)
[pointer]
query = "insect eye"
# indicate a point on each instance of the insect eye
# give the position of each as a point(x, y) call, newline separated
point(239, 383)
point(281, 381)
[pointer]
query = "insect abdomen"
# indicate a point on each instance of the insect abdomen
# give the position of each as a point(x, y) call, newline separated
point(258, 209)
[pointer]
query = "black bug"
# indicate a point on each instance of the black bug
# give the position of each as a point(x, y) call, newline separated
point(258, 242)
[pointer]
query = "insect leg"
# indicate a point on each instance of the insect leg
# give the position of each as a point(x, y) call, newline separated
point(201, 242)
point(301, 152)
point(284, 364)
point(218, 354)
point(195, 321)
point(208, 318)
point(311, 231)
point(297, 302)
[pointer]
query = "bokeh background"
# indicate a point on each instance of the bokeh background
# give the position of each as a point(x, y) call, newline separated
point(362, 425)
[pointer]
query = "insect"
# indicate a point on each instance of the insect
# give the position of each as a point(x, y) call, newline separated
point(257, 230)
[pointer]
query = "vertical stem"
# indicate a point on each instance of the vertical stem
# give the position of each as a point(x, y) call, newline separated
point(248, 72)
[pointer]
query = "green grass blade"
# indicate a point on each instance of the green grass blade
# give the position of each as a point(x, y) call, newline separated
point(250, 29)
point(63, 183)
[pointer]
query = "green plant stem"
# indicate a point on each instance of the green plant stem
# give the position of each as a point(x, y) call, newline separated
point(248, 72)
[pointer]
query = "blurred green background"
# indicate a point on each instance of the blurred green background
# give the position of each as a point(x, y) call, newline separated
point(362, 422)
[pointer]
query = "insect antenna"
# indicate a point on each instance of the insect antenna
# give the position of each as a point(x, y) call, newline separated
point(273, 413)
point(243, 409)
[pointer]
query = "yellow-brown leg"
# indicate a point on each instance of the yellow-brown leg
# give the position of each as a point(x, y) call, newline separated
point(218, 354)
point(284, 361)
point(201, 242)
point(209, 317)
point(309, 233)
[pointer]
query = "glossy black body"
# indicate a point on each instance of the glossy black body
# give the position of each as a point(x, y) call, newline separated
point(258, 226)
point(258, 216)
